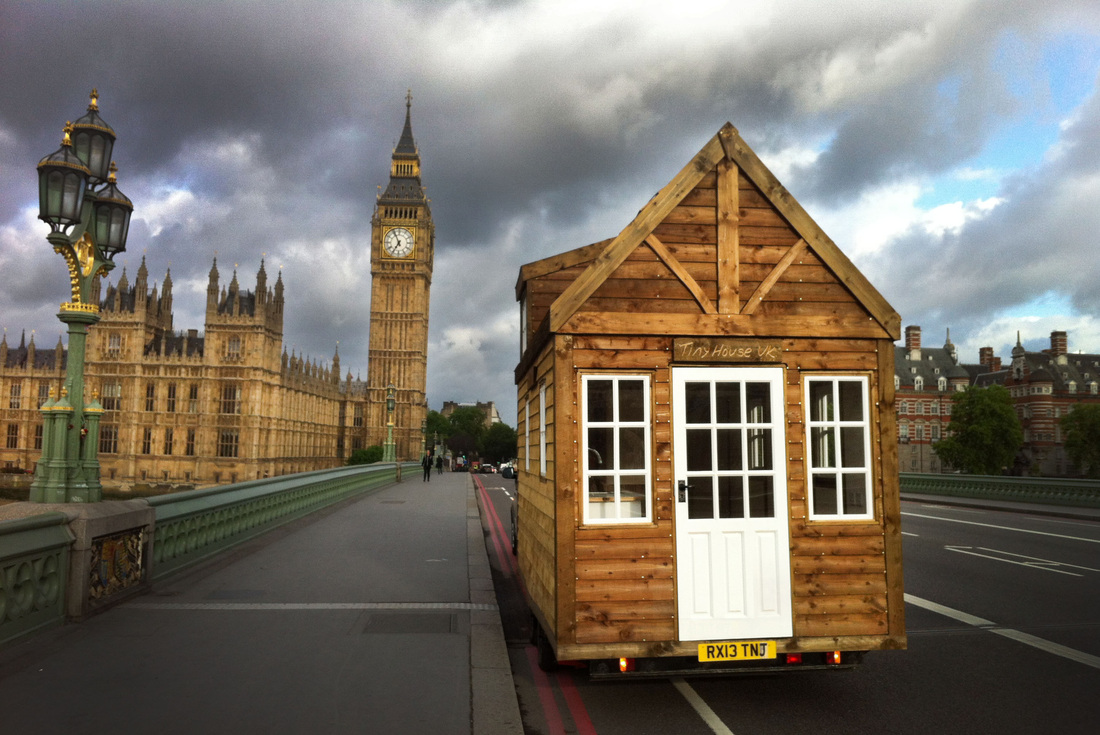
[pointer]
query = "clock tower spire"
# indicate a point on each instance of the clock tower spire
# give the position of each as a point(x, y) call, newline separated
point(402, 253)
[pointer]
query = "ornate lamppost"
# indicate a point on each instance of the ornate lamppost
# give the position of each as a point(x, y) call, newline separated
point(68, 471)
point(389, 452)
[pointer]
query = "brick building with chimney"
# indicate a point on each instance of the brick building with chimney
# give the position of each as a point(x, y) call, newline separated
point(1045, 386)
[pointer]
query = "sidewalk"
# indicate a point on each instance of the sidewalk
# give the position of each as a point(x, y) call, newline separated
point(377, 615)
point(1057, 511)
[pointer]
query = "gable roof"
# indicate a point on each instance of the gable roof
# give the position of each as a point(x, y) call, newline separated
point(725, 150)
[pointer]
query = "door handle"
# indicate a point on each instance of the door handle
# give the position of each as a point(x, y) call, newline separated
point(683, 487)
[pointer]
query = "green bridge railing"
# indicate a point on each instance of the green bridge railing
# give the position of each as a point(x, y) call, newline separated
point(1046, 490)
point(34, 567)
point(191, 526)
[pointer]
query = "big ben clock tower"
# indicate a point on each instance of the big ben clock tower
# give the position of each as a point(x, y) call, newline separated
point(402, 250)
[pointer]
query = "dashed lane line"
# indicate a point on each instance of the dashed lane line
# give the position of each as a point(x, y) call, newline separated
point(1034, 641)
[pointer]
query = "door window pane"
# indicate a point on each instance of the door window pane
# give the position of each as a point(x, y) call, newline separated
point(698, 450)
point(729, 449)
point(761, 497)
point(727, 401)
point(697, 400)
point(700, 496)
point(760, 449)
point(731, 501)
point(758, 403)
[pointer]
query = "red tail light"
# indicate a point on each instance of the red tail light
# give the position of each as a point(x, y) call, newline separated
point(833, 657)
point(794, 658)
point(626, 664)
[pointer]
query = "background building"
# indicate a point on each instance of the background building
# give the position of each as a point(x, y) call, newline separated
point(1044, 385)
point(182, 408)
point(492, 416)
point(402, 255)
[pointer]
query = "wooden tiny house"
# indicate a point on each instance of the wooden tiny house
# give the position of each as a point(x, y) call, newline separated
point(707, 449)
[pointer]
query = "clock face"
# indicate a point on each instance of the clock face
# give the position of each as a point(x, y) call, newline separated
point(398, 242)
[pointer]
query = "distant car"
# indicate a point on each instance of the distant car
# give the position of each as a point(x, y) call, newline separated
point(508, 472)
point(487, 469)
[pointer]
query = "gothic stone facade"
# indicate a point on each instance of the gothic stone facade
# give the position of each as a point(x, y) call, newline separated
point(188, 409)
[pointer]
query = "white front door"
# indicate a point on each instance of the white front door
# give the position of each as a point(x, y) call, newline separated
point(729, 437)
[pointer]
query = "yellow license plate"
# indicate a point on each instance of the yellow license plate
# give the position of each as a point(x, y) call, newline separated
point(737, 651)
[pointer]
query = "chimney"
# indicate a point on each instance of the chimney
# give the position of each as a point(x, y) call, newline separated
point(912, 338)
point(988, 360)
point(1059, 343)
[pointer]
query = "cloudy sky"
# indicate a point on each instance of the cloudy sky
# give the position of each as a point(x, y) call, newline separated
point(951, 148)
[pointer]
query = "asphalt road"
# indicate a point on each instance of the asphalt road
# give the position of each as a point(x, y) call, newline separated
point(1003, 615)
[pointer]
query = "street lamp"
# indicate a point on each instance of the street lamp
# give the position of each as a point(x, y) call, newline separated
point(389, 453)
point(68, 471)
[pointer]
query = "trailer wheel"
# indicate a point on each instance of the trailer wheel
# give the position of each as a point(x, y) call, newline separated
point(547, 660)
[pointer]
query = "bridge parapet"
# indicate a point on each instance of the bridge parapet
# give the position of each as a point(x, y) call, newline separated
point(34, 564)
point(1047, 490)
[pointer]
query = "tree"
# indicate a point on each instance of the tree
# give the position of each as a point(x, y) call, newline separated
point(984, 434)
point(438, 424)
point(370, 455)
point(499, 443)
point(1082, 430)
point(467, 428)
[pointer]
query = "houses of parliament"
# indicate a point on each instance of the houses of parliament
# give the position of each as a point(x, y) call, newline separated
point(185, 408)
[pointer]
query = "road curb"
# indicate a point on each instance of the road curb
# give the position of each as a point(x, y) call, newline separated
point(494, 707)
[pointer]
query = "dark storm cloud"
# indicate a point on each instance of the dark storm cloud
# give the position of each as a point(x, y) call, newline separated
point(256, 130)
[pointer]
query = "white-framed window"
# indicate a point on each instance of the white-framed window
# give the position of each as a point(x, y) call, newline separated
point(527, 436)
point(542, 429)
point(838, 436)
point(523, 324)
point(616, 453)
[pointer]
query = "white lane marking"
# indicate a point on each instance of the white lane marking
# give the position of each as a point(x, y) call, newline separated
point(310, 606)
point(1005, 528)
point(701, 707)
point(1036, 562)
point(1042, 644)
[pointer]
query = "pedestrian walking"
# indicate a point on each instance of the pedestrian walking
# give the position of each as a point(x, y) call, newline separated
point(439, 465)
point(426, 463)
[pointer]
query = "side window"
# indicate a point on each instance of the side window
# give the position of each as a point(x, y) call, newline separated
point(527, 436)
point(616, 456)
point(542, 430)
point(838, 439)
